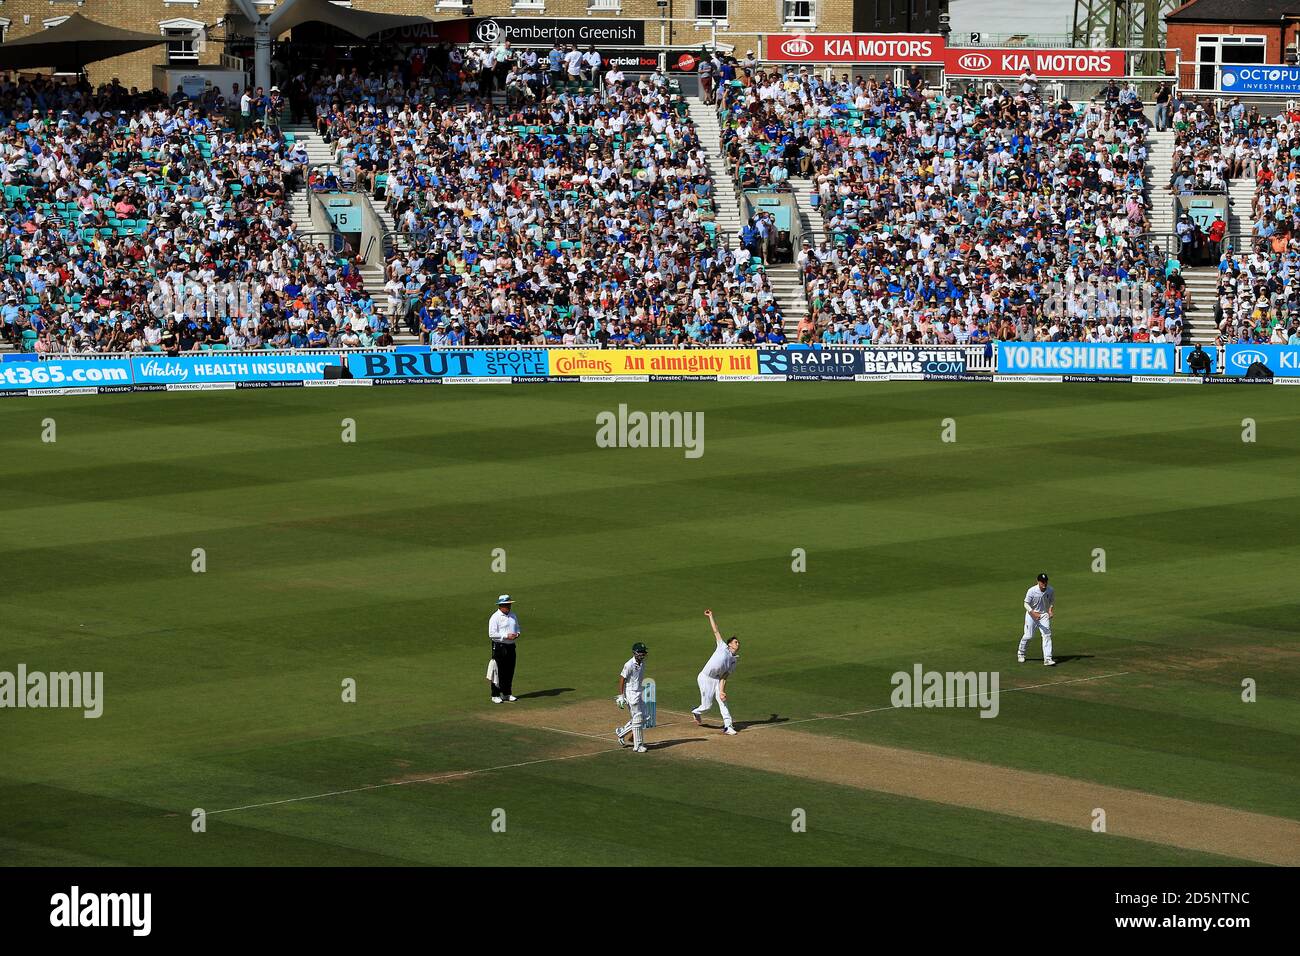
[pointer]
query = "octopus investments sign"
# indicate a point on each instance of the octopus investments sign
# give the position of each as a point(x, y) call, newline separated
point(544, 31)
point(1259, 79)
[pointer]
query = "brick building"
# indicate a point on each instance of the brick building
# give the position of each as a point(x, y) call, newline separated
point(1212, 33)
point(197, 35)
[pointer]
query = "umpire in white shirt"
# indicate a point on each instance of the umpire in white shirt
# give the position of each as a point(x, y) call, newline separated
point(503, 629)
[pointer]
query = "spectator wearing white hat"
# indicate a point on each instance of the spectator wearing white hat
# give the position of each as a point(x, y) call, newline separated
point(503, 629)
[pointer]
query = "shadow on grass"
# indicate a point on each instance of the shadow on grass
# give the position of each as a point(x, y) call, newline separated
point(742, 724)
point(665, 744)
point(774, 719)
point(553, 692)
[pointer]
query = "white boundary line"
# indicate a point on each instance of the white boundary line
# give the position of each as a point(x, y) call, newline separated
point(401, 783)
point(574, 733)
point(593, 753)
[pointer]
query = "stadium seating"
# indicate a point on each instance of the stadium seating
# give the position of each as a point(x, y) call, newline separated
point(952, 218)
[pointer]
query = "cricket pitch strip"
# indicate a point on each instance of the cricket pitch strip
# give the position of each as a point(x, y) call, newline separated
point(768, 746)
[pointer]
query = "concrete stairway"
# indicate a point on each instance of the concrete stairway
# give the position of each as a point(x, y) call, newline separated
point(319, 152)
point(814, 227)
point(1203, 291)
point(787, 286)
point(725, 206)
point(1160, 169)
point(1241, 197)
point(300, 211)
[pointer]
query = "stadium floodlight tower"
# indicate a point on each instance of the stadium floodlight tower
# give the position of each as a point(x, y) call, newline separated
point(1124, 23)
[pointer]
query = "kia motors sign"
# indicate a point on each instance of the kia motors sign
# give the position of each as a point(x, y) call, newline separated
point(855, 48)
point(1046, 64)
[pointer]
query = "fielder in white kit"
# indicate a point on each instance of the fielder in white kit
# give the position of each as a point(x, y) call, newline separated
point(1040, 606)
point(713, 679)
point(629, 696)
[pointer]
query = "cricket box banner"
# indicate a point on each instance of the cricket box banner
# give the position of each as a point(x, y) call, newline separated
point(656, 363)
point(1282, 360)
point(1084, 358)
point(212, 368)
point(427, 366)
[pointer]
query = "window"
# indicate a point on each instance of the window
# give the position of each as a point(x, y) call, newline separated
point(184, 39)
point(52, 22)
point(1213, 50)
point(604, 4)
point(799, 12)
point(4, 28)
point(706, 10)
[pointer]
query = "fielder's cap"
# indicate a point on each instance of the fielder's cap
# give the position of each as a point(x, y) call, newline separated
point(639, 648)
point(505, 599)
point(1043, 577)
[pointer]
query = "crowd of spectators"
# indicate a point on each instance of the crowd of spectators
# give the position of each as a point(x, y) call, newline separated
point(963, 215)
point(579, 208)
point(133, 222)
point(581, 212)
point(1259, 283)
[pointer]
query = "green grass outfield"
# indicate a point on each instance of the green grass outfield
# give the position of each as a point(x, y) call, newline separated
point(328, 560)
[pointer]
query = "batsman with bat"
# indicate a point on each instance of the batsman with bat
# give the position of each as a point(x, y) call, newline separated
point(629, 696)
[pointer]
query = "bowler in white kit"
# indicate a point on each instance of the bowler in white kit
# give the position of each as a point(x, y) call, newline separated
point(1040, 606)
point(713, 679)
point(629, 696)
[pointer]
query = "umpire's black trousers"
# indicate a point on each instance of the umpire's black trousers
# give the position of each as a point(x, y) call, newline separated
point(503, 652)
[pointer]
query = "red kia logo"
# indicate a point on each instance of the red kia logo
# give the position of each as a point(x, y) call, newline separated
point(797, 46)
point(686, 62)
point(975, 61)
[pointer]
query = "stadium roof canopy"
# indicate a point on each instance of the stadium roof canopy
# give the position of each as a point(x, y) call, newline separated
point(291, 13)
point(70, 45)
